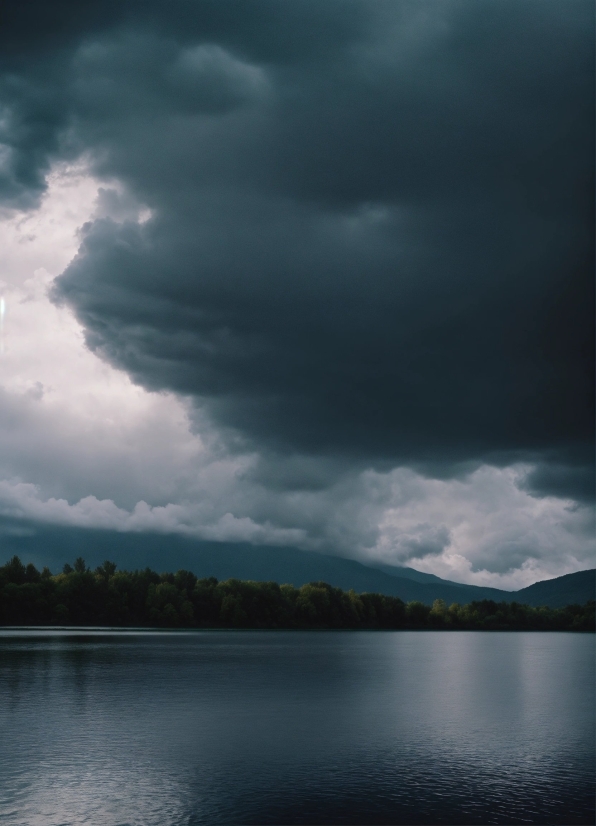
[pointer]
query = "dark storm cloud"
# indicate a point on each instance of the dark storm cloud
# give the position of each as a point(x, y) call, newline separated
point(372, 223)
point(38, 41)
point(555, 479)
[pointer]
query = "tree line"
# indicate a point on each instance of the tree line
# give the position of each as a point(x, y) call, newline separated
point(107, 597)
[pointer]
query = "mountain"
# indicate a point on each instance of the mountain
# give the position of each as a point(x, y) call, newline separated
point(53, 546)
point(410, 573)
point(563, 590)
point(568, 589)
point(226, 560)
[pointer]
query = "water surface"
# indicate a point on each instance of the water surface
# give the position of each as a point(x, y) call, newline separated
point(295, 728)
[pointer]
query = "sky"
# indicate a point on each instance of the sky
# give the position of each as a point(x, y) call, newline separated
point(316, 274)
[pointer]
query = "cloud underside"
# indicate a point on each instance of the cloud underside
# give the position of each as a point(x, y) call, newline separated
point(353, 235)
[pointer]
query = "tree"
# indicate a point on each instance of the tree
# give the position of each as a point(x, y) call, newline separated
point(438, 613)
point(185, 580)
point(106, 570)
point(417, 613)
point(31, 573)
point(232, 612)
point(79, 565)
point(15, 571)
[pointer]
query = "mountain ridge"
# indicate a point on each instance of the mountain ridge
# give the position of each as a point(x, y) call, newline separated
point(227, 560)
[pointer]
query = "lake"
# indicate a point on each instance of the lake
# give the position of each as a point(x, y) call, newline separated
point(270, 727)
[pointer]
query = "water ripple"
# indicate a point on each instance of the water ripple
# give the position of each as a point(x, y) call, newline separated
point(295, 728)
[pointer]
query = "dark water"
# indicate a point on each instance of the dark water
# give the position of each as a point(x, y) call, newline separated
point(279, 728)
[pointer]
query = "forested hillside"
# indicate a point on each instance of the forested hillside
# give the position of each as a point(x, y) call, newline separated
point(108, 597)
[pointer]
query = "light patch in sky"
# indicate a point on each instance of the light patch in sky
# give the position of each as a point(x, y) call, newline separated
point(2, 314)
point(71, 419)
point(484, 529)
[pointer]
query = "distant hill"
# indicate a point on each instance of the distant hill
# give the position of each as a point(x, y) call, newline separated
point(226, 560)
point(564, 590)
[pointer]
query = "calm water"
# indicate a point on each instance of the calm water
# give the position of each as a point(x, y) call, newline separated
point(278, 728)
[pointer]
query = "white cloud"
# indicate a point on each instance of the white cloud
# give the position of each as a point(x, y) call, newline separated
point(69, 420)
point(495, 533)
point(22, 501)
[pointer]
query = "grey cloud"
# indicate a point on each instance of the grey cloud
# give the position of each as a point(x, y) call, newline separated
point(119, 206)
point(556, 479)
point(429, 541)
point(372, 223)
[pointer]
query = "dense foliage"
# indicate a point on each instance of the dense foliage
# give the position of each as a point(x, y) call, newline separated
point(107, 597)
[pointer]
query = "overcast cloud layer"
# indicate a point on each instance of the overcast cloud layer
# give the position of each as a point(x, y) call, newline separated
point(350, 244)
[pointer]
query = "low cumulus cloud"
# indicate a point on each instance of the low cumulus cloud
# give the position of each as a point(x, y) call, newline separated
point(351, 241)
point(481, 529)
